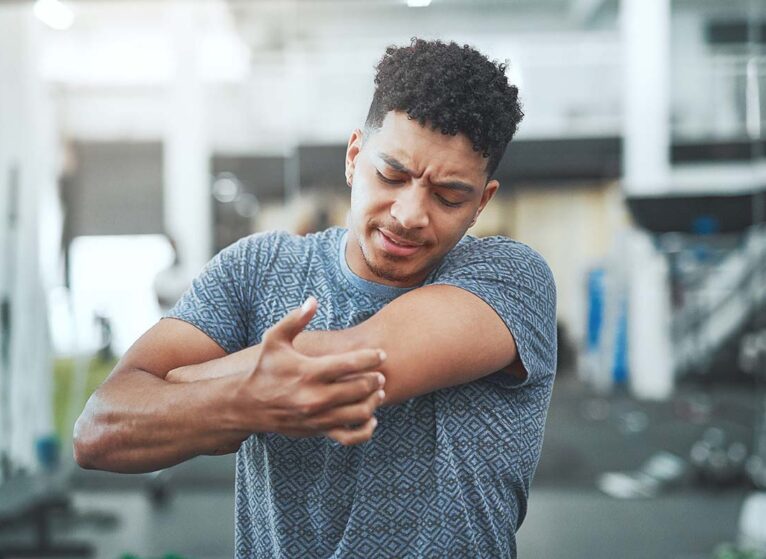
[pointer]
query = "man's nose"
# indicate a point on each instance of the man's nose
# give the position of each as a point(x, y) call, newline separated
point(410, 207)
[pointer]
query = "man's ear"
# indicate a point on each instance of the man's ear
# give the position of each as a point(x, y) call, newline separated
point(486, 196)
point(352, 151)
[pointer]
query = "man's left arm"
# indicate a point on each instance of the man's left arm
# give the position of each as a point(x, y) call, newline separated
point(490, 308)
point(434, 337)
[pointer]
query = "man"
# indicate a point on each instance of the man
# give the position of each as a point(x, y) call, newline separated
point(462, 330)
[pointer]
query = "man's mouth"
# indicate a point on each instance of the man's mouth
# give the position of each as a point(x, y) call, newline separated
point(396, 245)
point(399, 240)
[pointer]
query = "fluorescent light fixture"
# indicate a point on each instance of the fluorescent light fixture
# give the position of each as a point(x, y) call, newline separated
point(54, 14)
point(418, 3)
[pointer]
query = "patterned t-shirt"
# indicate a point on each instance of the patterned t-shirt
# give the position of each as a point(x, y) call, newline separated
point(446, 474)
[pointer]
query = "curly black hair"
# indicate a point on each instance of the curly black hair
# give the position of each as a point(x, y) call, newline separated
point(455, 89)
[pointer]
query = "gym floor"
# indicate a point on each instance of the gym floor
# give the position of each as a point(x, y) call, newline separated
point(568, 518)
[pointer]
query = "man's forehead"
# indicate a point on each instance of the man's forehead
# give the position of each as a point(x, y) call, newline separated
point(407, 140)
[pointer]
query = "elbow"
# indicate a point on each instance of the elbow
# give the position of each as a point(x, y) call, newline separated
point(85, 444)
point(80, 446)
point(81, 457)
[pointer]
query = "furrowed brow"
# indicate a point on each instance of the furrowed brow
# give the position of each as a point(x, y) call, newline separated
point(456, 185)
point(399, 167)
point(395, 164)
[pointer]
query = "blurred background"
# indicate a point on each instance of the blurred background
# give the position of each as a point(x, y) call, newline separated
point(137, 138)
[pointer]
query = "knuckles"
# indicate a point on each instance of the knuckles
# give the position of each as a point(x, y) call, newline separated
point(368, 358)
point(309, 406)
point(303, 411)
point(304, 370)
point(268, 336)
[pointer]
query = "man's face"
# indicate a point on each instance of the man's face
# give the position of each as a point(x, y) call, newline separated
point(414, 193)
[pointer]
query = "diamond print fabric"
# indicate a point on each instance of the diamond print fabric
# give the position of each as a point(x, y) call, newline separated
point(446, 474)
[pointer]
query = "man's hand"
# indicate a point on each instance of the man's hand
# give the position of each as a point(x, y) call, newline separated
point(283, 391)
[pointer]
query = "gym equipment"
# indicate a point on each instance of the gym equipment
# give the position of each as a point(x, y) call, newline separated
point(717, 460)
point(661, 471)
point(33, 500)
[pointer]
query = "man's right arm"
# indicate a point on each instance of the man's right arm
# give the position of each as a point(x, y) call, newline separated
point(136, 421)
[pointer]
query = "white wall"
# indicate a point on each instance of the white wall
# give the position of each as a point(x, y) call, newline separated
point(276, 74)
point(27, 144)
point(274, 78)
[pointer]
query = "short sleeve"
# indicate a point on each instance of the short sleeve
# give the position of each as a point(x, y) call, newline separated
point(517, 283)
point(217, 302)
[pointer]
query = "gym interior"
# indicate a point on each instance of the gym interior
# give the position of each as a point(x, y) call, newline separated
point(138, 138)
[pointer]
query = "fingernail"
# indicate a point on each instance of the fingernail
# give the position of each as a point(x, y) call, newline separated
point(382, 394)
point(381, 379)
point(382, 355)
point(374, 422)
point(306, 305)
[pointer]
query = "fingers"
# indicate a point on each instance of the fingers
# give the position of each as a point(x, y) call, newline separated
point(353, 391)
point(293, 322)
point(331, 367)
point(360, 411)
point(348, 436)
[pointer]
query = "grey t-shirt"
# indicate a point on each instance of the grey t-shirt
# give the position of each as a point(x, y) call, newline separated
point(445, 474)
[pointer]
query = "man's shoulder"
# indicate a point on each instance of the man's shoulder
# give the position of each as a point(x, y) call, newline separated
point(496, 260)
point(496, 250)
point(493, 242)
point(280, 241)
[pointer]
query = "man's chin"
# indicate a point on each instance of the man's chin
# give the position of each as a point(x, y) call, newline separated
point(392, 268)
point(391, 272)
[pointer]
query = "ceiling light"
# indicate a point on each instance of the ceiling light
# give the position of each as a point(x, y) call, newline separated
point(418, 3)
point(54, 14)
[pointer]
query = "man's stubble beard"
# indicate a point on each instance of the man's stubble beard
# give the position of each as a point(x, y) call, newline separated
point(389, 273)
point(383, 272)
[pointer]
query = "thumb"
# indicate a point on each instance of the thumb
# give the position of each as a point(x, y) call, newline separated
point(294, 322)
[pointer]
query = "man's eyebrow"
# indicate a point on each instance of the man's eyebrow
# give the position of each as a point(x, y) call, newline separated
point(396, 165)
point(456, 185)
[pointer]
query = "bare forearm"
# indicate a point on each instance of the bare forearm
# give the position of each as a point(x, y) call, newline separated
point(315, 344)
point(238, 363)
point(433, 337)
point(412, 367)
point(137, 422)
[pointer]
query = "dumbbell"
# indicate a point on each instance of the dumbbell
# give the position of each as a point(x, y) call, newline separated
point(716, 460)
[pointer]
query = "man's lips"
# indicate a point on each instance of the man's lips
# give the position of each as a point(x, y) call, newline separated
point(396, 245)
point(399, 240)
